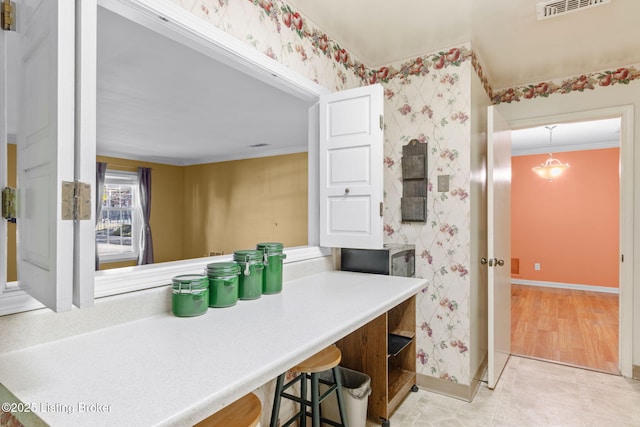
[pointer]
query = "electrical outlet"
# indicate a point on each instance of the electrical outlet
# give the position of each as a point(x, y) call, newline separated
point(443, 183)
point(536, 266)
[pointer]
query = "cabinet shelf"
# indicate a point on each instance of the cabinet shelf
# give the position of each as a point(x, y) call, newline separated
point(397, 343)
point(369, 350)
point(400, 382)
point(404, 333)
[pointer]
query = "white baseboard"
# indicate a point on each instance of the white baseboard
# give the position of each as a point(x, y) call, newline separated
point(574, 286)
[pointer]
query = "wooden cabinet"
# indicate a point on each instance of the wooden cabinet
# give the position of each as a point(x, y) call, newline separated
point(385, 349)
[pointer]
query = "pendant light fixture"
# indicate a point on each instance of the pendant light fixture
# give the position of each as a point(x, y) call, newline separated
point(551, 168)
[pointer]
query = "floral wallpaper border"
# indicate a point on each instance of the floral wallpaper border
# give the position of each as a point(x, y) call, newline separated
point(589, 81)
point(326, 46)
point(283, 14)
point(321, 42)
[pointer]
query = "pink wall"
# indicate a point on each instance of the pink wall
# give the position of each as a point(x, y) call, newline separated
point(571, 225)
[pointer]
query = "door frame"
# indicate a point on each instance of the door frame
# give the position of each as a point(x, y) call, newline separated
point(626, 115)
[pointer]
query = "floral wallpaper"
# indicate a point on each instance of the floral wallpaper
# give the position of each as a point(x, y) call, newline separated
point(428, 98)
point(275, 29)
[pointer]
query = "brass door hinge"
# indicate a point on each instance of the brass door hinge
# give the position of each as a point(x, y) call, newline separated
point(76, 200)
point(381, 122)
point(9, 210)
point(8, 15)
point(381, 209)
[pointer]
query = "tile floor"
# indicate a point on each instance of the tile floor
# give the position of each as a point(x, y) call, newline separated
point(531, 393)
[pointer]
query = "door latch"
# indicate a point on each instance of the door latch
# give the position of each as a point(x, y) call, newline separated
point(493, 262)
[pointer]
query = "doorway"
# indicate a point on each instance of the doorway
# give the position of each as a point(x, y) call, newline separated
point(565, 246)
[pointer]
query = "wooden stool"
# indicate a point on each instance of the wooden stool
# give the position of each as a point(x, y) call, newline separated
point(309, 369)
point(244, 412)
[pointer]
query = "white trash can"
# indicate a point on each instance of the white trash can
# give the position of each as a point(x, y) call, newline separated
point(356, 388)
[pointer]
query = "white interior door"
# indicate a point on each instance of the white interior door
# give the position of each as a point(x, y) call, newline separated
point(45, 149)
point(499, 243)
point(351, 162)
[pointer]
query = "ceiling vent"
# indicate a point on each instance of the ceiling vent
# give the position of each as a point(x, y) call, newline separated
point(553, 8)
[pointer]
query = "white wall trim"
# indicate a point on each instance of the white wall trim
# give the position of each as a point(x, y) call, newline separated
point(128, 279)
point(206, 160)
point(573, 286)
point(313, 199)
point(17, 301)
point(567, 148)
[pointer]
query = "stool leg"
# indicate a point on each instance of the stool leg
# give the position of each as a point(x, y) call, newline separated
point(275, 412)
point(303, 398)
point(315, 400)
point(338, 380)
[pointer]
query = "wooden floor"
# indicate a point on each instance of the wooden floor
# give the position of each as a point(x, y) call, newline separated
point(573, 327)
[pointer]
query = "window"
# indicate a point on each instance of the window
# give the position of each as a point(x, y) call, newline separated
point(118, 226)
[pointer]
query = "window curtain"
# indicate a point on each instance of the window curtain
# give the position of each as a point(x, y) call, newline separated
point(146, 243)
point(101, 171)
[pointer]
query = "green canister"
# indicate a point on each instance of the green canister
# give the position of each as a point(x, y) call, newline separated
point(272, 272)
point(223, 283)
point(250, 283)
point(190, 295)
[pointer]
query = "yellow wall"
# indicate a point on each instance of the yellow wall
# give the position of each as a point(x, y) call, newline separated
point(216, 207)
point(234, 205)
point(167, 216)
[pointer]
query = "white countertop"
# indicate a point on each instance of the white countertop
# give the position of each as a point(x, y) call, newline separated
point(165, 370)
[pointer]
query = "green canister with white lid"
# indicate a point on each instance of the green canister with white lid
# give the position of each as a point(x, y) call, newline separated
point(272, 272)
point(251, 266)
point(223, 283)
point(189, 295)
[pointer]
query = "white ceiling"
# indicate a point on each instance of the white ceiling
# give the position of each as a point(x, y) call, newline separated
point(566, 137)
point(514, 46)
point(162, 102)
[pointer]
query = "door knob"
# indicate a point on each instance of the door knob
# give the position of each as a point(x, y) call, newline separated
point(500, 262)
point(483, 261)
point(346, 191)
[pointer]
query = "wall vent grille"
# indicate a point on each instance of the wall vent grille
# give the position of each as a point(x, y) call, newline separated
point(553, 8)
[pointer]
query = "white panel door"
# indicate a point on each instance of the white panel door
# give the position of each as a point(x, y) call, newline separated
point(499, 244)
point(351, 162)
point(45, 149)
